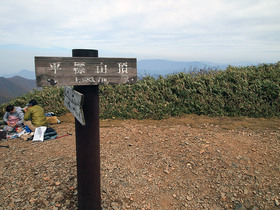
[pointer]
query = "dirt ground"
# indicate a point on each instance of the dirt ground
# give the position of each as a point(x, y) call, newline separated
point(191, 162)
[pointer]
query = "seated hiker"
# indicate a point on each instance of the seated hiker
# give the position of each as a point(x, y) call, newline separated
point(12, 118)
point(34, 115)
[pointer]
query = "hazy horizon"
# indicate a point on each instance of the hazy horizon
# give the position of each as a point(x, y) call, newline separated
point(218, 31)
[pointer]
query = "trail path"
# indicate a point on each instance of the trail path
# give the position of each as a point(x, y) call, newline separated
point(192, 162)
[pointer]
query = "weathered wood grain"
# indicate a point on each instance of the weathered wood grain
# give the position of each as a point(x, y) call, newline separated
point(68, 71)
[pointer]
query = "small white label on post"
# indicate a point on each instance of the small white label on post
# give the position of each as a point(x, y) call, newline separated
point(73, 100)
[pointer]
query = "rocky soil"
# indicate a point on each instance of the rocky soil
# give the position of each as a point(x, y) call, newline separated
point(192, 162)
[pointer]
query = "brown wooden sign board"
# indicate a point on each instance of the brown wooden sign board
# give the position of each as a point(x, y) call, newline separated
point(67, 71)
point(73, 100)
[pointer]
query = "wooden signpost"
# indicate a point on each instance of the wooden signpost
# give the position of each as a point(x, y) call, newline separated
point(65, 71)
point(85, 71)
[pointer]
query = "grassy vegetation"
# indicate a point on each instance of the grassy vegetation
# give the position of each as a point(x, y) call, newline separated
point(252, 91)
point(52, 99)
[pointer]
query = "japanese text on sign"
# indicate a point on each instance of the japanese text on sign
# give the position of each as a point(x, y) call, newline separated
point(63, 71)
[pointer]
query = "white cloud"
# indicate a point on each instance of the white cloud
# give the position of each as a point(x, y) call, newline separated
point(193, 29)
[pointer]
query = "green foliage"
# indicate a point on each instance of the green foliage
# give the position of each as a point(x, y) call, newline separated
point(252, 91)
point(51, 98)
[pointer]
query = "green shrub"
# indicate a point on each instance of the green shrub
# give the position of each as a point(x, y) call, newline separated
point(51, 98)
point(252, 91)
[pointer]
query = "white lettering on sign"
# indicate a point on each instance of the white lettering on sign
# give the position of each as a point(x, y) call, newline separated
point(122, 68)
point(63, 71)
point(91, 80)
point(102, 68)
point(79, 67)
point(54, 67)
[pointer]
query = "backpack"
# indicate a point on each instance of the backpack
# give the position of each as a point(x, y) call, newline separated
point(50, 133)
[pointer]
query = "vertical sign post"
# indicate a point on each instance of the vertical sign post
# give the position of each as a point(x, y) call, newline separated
point(88, 143)
point(85, 71)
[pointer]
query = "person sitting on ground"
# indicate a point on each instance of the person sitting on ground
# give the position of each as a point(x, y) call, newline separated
point(12, 118)
point(34, 115)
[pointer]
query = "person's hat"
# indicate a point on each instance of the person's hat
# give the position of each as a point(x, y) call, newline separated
point(32, 103)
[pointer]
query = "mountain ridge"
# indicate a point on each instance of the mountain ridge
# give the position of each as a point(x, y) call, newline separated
point(24, 73)
point(15, 86)
point(156, 67)
point(164, 67)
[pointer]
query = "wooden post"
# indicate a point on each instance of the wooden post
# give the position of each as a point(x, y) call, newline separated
point(85, 71)
point(88, 144)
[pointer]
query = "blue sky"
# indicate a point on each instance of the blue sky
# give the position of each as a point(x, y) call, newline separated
point(220, 31)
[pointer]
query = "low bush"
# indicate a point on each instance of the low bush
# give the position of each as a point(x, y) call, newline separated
point(252, 91)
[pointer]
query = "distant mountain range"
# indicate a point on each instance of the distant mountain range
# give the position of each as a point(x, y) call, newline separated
point(23, 73)
point(13, 87)
point(156, 67)
point(17, 84)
